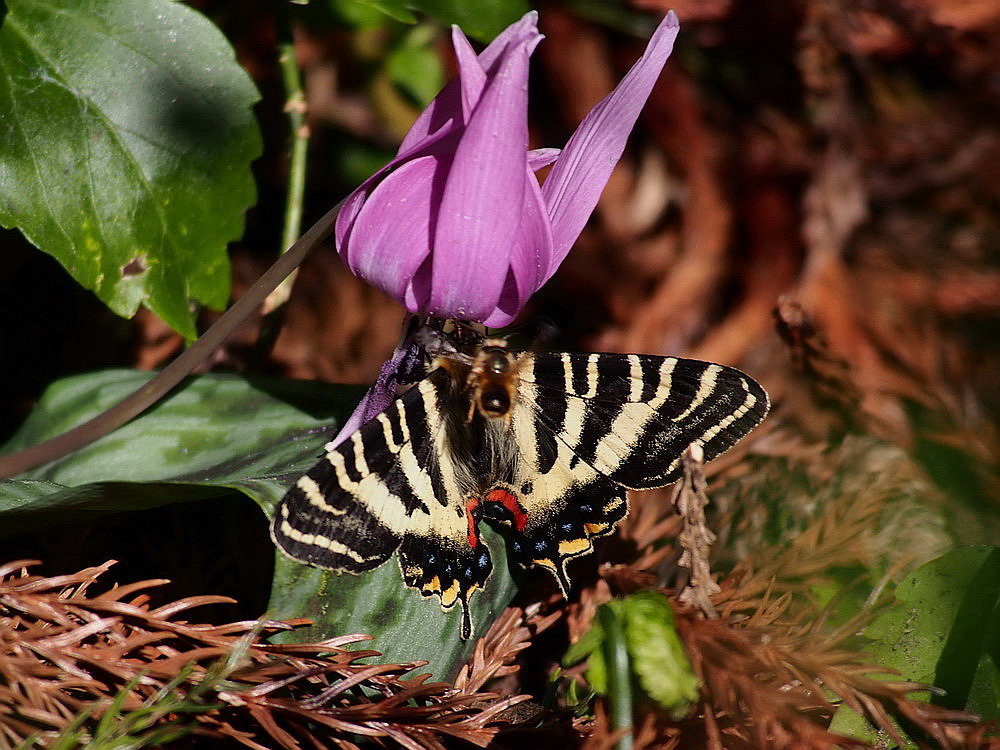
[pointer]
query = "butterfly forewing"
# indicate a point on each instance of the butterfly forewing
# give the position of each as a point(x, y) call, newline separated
point(632, 416)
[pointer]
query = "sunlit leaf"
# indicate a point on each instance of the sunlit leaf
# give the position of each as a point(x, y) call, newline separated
point(656, 655)
point(126, 138)
point(943, 631)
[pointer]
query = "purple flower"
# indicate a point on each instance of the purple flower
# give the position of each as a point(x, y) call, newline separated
point(457, 225)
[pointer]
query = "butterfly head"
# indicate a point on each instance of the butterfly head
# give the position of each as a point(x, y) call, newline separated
point(492, 381)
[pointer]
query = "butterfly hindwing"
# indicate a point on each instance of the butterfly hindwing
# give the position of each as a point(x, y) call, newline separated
point(393, 484)
point(588, 426)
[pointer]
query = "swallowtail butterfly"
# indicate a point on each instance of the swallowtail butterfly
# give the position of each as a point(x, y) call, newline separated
point(543, 443)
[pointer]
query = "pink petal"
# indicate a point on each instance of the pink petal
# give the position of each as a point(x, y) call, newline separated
point(471, 76)
point(445, 108)
point(482, 201)
point(581, 171)
point(542, 157)
point(530, 257)
point(390, 236)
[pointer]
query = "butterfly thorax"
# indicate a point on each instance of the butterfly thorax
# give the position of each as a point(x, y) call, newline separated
point(482, 393)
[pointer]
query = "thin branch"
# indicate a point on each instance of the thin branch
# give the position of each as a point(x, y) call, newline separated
point(147, 395)
point(295, 107)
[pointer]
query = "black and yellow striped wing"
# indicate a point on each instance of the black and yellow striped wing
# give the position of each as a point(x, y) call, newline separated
point(590, 426)
point(395, 484)
point(581, 429)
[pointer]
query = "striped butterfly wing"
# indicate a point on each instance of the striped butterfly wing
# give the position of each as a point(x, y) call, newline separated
point(588, 426)
point(393, 484)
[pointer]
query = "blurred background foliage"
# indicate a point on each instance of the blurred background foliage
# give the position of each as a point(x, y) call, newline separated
point(810, 195)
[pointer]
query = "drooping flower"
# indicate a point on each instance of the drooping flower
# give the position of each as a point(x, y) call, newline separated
point(457, 225)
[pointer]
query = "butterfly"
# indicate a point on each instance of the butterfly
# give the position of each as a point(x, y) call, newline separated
point(545, 444)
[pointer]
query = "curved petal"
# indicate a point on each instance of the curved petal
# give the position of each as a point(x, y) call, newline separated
point(471, 76)
point(352, 206)
point(482, 200)
point(530, 257)
point(581, 171)
point(444, 109)
point(390, 236)
point(542, 157)
point(440, 145)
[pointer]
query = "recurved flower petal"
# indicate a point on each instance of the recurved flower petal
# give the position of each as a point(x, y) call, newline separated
point(585, 164)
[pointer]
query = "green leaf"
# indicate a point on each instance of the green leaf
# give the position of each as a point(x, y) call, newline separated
point(126, 137)
point(370, 13)
point(617, 665)
point(943, 632)
point(415, 65)
point(215, 434)
point(482, 20)
point(406, 626)
point(658, 656)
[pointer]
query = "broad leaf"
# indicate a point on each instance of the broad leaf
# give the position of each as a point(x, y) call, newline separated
point(944, 631)
point(126, 138)
point(218, 433)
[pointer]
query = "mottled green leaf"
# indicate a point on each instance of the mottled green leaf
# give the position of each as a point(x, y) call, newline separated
point(943, 631)
point(219, 433)
point(126, 138)
point(406, 626)
point(212, 432)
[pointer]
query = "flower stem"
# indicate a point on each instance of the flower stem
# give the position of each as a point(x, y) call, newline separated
point(616, 659)
point(295, 107)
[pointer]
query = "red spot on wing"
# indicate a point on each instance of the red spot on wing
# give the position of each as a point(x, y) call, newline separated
point(471, 506)
point(509, 501)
